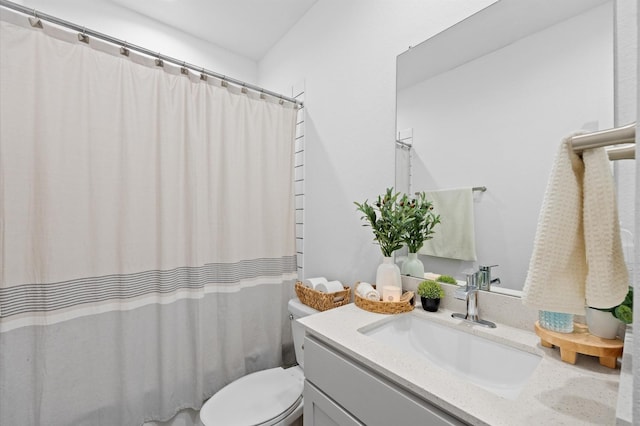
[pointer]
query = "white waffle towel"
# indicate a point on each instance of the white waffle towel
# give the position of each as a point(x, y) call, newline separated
point(575, 236)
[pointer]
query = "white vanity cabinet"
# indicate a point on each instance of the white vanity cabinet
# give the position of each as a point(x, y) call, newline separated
point(341, 391)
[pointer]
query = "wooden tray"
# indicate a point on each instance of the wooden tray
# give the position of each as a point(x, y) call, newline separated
point(404, 305)
point(581, 342)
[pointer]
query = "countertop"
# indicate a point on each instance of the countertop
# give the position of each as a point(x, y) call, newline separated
point(557, 393)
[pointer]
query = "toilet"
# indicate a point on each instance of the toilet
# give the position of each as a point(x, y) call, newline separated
point(270, 397)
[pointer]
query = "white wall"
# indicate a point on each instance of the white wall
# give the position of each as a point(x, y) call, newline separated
point(109, 18)
point(346, 54)
point(497, 121)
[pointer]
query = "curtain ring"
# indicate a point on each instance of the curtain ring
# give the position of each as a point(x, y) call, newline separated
point(159, 61)
point(35, 22)
point(244, 89)
point(83, 37)
point(184, 70)
point(203, 76)
point(123, 50)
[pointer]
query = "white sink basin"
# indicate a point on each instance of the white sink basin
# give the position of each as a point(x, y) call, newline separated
point(499, 368)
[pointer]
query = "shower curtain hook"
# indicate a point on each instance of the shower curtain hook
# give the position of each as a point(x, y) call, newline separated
point(244, 89)
point(223, 82)
point(159, 61)
point(83, 37)
point(184, 70)
point(203, 76)
point(281, 102)
point(262, 95)
point(123, 50)
point(35, 22)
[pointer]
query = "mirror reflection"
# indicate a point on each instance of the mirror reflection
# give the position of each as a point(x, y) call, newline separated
point(492, 113)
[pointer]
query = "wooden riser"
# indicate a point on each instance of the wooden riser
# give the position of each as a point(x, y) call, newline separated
point(581, 342)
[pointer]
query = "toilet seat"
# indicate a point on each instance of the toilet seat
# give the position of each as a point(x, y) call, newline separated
point(262, 398)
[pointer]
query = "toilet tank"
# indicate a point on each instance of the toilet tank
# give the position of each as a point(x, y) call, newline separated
point(297, 309)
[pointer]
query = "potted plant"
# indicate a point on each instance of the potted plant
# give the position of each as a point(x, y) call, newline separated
point(419, 224)
point(388, 222)
point(605, 322)
point(430, 293)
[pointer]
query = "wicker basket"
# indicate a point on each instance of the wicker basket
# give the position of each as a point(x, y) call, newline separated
point(322, 301)
point(404, 305)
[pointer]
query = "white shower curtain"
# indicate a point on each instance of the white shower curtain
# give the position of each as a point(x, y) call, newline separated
point(147, 232)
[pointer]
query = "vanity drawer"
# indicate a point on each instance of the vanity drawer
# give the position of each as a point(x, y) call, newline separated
point(320, 410)
point(366, 395)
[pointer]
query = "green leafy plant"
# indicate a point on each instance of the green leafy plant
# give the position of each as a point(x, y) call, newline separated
point(447, 279)
point(430, 289)
point(623, 311)
point(420, 220)
point(386, 219)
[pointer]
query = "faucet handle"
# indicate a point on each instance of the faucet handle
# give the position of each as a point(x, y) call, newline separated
point(487, 268)
point(485, 280)
point(472, 280)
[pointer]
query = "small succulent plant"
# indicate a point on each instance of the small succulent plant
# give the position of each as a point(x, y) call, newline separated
point(430, 289)
point(447, 279)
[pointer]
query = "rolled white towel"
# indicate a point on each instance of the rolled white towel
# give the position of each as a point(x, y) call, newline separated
point(431, 276)
point(329, 287)
point(366, 291)
point(313, 282)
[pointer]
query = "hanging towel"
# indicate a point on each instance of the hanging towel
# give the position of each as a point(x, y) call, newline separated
point(607, 276)
point(454, 236)
point(557, 276)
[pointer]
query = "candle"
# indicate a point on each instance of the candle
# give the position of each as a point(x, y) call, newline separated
point(391, 293)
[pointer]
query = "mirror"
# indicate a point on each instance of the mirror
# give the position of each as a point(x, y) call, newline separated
point(487, 102)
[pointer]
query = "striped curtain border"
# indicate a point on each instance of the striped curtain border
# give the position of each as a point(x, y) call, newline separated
point(50, 297)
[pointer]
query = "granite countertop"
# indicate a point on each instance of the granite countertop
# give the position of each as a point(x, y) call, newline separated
point(557, 393)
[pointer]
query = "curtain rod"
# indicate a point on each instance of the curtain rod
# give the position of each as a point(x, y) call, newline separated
point(85, 33)
point(616, 136)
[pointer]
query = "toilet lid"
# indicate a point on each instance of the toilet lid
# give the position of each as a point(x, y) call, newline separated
point(254, 399)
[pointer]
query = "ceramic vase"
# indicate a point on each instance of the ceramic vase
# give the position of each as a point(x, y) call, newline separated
point(602, 324)
point(388, 280)
point(413, 266)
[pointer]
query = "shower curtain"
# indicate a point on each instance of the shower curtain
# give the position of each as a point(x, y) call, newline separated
point(147, 232)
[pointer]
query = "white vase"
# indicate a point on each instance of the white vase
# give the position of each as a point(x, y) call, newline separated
point(413, 266)
point(602, 324)
point(388, 281)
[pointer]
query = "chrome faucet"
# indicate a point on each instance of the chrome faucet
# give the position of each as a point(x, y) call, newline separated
point(484, 278)
point(470, 294)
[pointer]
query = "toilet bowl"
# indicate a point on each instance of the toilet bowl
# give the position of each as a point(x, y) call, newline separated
point(271, 397)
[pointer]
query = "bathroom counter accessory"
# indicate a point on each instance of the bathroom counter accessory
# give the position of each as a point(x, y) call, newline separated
point(405, 304)
point(581, 342)
point(322, 301)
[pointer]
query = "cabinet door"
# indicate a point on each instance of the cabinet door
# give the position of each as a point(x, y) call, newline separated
point(319, 410)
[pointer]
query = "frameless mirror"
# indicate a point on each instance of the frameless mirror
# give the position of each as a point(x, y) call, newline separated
point(487, 102)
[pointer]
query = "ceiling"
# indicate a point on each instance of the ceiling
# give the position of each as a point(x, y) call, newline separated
point(246, 27)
